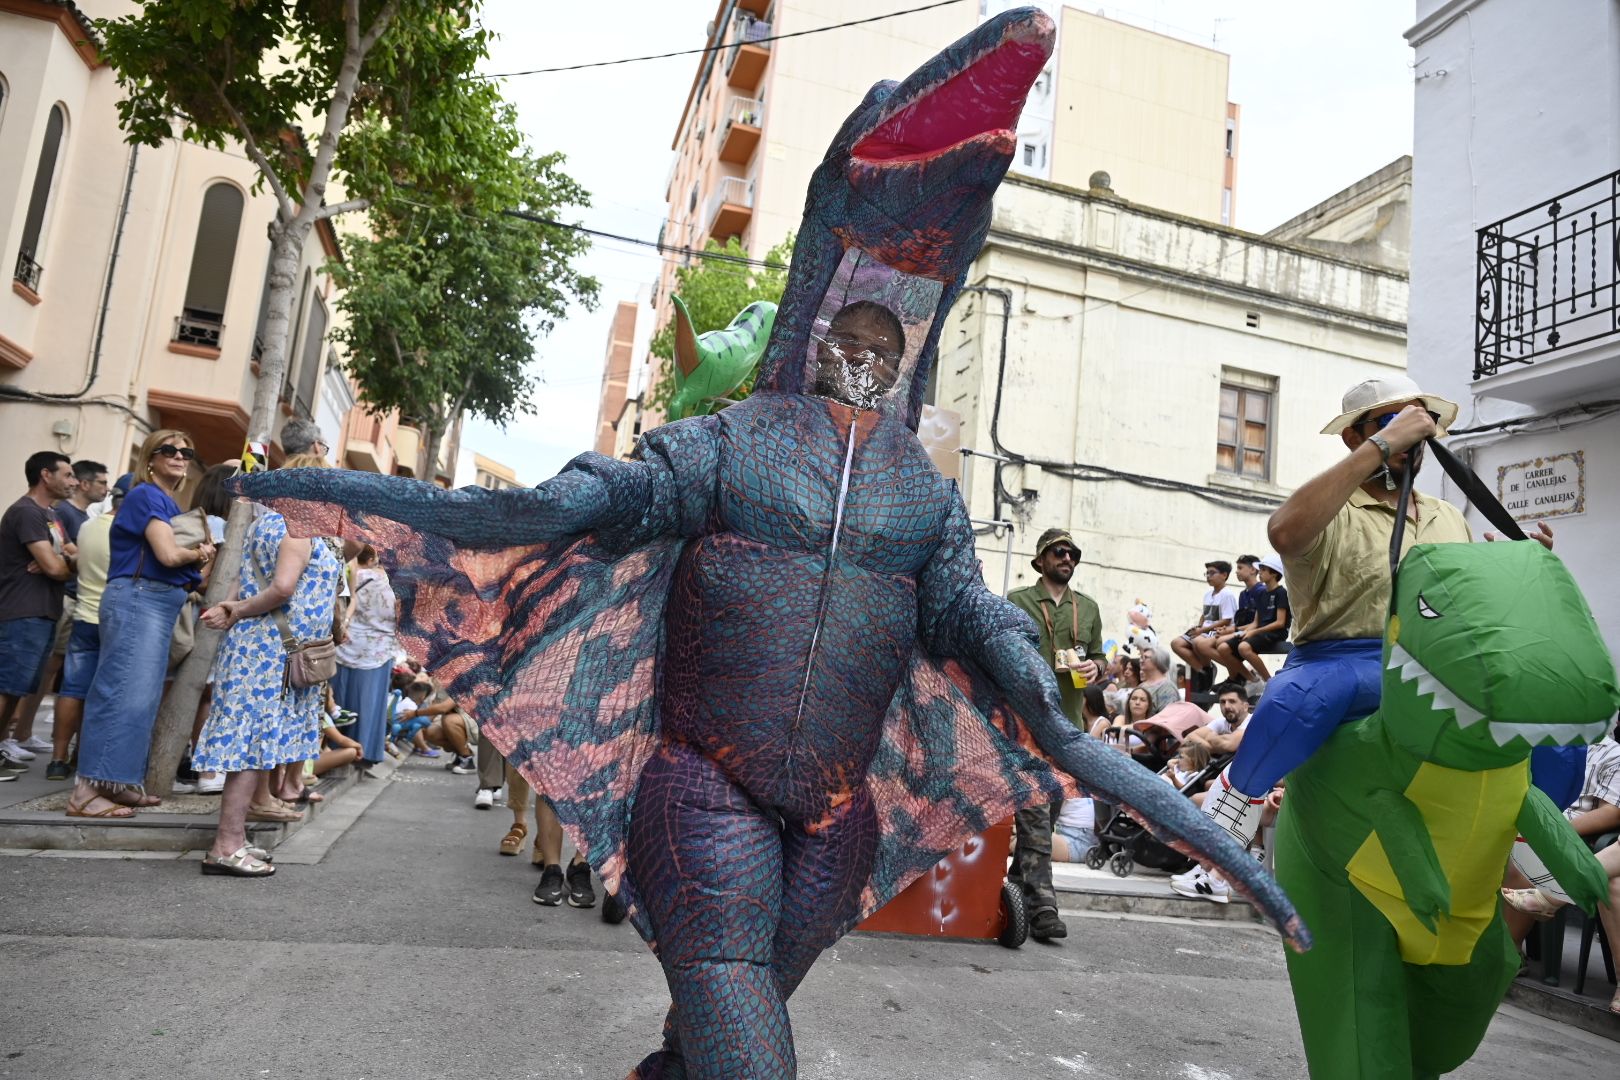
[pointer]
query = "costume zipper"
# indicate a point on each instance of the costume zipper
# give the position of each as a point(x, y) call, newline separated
point(832, 558)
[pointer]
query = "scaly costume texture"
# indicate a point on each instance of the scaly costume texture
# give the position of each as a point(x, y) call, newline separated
point(1393, 836)
point(756, 671)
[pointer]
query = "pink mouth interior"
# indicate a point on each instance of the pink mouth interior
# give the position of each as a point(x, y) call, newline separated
point(985, 98)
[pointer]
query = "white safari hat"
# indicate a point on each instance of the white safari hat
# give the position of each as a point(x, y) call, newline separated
point(1364, 397)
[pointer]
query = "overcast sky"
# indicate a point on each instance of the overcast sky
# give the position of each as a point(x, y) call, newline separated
point(1325, 88)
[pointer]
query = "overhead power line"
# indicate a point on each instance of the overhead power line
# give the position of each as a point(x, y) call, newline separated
point(717, 48)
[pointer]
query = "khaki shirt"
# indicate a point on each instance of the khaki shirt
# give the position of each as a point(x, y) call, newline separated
point(1340, 585)
point(1070, 623)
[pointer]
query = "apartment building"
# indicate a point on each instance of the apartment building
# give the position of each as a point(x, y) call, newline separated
point(1149, 110)
point(138, 275)
point(491, 475)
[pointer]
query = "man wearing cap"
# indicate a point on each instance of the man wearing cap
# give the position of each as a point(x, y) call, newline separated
point(1071, 641)
point(1333, 535)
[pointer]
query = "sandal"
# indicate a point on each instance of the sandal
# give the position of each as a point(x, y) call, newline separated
point(512, 842)
point(240, 863)
point(276, 813)
point(114, 809)
point(1532, 902)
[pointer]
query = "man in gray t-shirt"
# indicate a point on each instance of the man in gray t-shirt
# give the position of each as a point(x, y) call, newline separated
point(35, 561)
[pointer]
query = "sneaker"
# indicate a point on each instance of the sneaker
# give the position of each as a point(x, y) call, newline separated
point(1206, 886)
point(550, 890)
point(1254, 690)
point(580, 893)
point(613, 911)
point(464, 766)
point(429, 752)
point(14, 750)
point(36, 744)
point(58, 770)
point(1189, 877)
point(1045, 925)
point(9, 764)
point(484, 800)
point(181, 787)
point(211, 785)
point(7, 777)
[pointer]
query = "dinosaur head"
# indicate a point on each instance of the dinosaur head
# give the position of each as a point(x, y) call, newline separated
point(900, 204)
point(1491, 650)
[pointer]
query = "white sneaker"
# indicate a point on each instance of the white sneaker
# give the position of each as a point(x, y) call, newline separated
point(184, 787)
point(1205, 887)
point(211, 785)
point(1254, 690)
point(1188, 877)
point(14, 750)
point(484, 799)
point(36, 744)
point(1237, 813)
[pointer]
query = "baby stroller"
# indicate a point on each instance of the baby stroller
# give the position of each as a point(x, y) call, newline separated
point(1122, 842)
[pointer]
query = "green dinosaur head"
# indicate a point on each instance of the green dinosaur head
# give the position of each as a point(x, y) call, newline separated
point(1492, 650)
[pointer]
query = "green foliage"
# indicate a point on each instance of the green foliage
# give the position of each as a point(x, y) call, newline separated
point(443, 307)
point(226, 71)
point(714, 291)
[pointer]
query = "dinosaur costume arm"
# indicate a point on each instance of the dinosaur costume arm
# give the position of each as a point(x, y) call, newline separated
point(961, 619)
point(1551, 836)
point(1405, 838)
point(668, 491)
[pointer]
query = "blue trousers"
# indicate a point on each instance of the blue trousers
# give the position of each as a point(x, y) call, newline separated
point(137, 622)
point(1323, 684)
point(1328, 683)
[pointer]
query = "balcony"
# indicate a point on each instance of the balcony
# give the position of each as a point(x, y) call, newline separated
point(754, 7)
point(197, 333)
point(745, 64)
point(27, 273)
point(744, 118)
point(407, 448)
point(730, 208)
point(1548, 321)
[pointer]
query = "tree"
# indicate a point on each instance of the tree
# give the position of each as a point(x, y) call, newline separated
point(714, 291)
point(444, 307)
point(387, 87)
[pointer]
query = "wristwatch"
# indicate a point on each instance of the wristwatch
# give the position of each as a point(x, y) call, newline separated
point(1382, 444)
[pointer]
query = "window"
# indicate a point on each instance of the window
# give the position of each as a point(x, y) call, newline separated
point(212, 257)
point(1231, 136)
point(309, 358)
point(1029, 154)
point(1243, 446)
point(28, 268)
point(1226, 206)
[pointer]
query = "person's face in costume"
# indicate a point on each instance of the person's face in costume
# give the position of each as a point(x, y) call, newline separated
point(859, 359)
point(1058, 562)
point(1368, 425)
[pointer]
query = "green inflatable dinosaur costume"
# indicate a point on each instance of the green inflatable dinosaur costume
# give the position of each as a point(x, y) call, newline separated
point(1393, 838)
point(708, 367)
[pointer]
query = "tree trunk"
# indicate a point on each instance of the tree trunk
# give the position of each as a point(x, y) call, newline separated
point(179, 709)
point(432, 436)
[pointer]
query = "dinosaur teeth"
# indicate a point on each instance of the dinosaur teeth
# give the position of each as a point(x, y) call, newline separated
point(1412, 670)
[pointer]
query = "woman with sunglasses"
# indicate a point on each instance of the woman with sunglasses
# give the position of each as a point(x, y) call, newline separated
point(147, 582)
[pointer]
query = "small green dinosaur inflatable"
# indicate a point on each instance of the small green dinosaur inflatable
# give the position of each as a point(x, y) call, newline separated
point(1393, 838)
point(710, 366)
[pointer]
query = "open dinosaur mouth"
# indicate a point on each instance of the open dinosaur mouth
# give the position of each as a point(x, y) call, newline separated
point(1411, 669)
point(981, 102)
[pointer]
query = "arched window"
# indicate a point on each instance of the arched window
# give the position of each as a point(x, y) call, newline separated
point(203, 316)
point(28, 268)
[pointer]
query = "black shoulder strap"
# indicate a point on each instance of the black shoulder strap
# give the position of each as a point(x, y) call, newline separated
point(1471, 485)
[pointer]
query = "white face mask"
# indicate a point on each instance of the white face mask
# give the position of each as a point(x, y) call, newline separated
point(912, 300)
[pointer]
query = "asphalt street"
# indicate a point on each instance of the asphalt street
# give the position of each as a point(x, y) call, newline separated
point(411, 949)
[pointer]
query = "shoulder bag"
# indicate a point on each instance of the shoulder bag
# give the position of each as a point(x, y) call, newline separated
point(190, 530)
point(309, 663)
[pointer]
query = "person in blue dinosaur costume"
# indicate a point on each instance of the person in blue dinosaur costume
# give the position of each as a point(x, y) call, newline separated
point(756, 670)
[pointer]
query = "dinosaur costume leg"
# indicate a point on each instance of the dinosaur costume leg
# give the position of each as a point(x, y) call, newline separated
point(1452, 1005)
point(1349, 989)
point(823, 874)
point(708, 862)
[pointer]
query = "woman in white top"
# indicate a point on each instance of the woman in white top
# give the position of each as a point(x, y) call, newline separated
point(366, 656)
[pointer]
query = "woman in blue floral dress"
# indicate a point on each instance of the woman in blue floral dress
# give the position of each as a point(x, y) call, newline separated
point(256, 722)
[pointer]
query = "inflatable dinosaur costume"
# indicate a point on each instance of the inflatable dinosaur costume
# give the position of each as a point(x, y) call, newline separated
point(1394, 836)
point(756, 671)
point(708, 367)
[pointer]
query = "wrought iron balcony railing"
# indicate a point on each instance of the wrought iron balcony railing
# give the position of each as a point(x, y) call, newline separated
point(28, 271)
point(198, 328)
point(1549, 277)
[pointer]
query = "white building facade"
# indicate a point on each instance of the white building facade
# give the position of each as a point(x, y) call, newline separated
point(1165, 382)
point(1516, 261)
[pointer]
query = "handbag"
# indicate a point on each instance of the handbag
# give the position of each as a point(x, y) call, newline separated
point(190, 530)
point(309, 663)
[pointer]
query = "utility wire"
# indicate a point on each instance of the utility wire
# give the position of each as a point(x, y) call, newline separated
point(717, 48)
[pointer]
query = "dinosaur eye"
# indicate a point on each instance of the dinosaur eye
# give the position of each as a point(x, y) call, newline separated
point(1425, 610)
